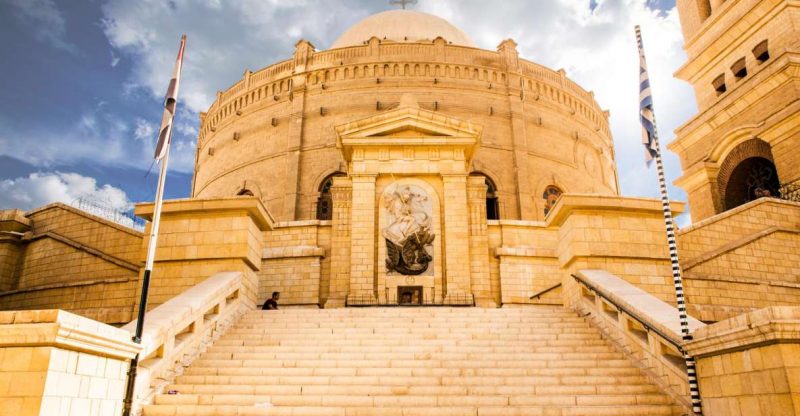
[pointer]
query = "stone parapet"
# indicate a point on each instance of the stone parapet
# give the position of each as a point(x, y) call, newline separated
point(179, 330)
point(198, 237)
point(749, 365)
point(54, 363)
point(642, 326)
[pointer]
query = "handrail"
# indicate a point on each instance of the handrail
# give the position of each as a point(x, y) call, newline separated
point(179, 330)
point(542, 292)
point(645, 324)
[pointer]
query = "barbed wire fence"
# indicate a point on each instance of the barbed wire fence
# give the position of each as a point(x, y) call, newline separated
point(104, 210)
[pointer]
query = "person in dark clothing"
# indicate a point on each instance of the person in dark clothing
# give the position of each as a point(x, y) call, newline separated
point(272, 303)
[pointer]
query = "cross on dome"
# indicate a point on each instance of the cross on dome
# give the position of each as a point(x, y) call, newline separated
point(402, 3)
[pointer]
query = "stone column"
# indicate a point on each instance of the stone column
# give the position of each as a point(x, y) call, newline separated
point(456, 238)
point(362, 239)
point(342, 195)
point(479, 241)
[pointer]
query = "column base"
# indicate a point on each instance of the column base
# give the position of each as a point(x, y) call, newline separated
point(332, 303)
point(361, 299)
point(459, 298)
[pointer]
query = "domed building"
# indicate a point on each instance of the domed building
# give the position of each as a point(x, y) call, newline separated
point(406, 167)
point(278, 133)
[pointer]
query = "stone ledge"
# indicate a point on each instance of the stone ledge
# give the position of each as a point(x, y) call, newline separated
point(569, 203)
point(90, 216)
point(525, 252)
point(82, 247)
point(252, 205)
point(61, 329)
point(734, 211)
point(658, 313)
point(14, 220)
point(733, 245)
point(293, 251)
point(776, 324)
point(65, 285)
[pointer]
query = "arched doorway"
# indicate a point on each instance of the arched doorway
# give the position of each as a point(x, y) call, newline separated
point(325, 201)
point(751, 179)
point(492, 201)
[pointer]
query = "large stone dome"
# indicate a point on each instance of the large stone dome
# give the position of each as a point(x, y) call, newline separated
point(402, 26)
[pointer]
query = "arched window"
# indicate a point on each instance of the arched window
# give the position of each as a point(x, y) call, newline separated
point(492, 205)
point(324, 201)
point(550, 196)
point(245, 192)
point(751, 179)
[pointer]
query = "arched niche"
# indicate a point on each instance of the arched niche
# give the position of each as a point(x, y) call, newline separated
point(324, 200)
point(747, 173)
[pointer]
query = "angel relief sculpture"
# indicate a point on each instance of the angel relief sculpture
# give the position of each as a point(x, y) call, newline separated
point(408, 234)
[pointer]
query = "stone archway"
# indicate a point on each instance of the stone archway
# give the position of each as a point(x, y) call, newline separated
point(747, 167)
point(751, 179)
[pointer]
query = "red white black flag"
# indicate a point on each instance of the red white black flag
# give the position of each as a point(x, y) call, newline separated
point(170, 104)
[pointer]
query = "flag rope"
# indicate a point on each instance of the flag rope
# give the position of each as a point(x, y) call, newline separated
point(654, 149)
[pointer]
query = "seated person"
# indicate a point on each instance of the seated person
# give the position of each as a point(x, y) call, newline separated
point(272, 303)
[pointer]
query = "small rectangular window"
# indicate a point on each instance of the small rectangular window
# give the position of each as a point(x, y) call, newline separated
point(719, 84)
point(739, 69)
point(761, 52)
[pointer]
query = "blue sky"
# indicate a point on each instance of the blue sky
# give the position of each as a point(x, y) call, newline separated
point(81, 82)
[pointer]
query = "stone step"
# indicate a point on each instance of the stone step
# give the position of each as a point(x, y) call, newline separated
point(329, 400)
point(376, 390)
point(408, 372)
point(196, 410)
point(413, 361)
point(414, 380)
point(379, 359)
point(526, 347)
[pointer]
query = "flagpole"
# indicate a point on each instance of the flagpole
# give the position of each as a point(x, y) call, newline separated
point(691, 368)
point(162, 151)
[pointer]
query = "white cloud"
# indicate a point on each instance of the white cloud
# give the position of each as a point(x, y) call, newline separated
point(39, 189)
point(143, 130)
point(598, 50)
point(46, 20)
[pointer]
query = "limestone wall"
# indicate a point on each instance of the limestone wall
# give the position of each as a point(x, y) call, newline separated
point(62, 257)
point(273, 134)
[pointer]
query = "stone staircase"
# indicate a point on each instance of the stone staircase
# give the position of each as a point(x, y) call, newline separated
point(413, 361)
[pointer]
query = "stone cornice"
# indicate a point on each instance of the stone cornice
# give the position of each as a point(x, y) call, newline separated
point(61, 329)
point(252, 205)
point(569, 203)
point(773, 325)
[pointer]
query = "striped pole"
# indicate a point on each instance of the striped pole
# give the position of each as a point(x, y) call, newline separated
point(677, 278)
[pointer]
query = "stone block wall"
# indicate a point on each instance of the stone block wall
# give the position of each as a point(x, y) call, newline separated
point(53, 363)
point(750, 364)
point(58, 256)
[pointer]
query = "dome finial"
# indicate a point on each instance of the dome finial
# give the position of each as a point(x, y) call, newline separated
point(402, 3)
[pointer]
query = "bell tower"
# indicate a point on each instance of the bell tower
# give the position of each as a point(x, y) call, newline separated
point(743, 61)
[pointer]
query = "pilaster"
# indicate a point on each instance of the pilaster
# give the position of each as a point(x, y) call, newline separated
point(456, 238)
point(342, 195)
point(479, 241)
point(362, 239)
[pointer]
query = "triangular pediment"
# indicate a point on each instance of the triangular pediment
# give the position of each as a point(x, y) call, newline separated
point(408, 122)
point(408, 126)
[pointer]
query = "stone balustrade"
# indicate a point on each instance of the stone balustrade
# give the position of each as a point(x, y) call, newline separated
point(179, 330)
point(644, 327)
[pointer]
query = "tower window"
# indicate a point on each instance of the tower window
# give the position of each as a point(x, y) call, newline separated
point(492, 201)
point(719, 84)
point(739, 69)
point(325, 200)
point(761, 52)
point(550, 195)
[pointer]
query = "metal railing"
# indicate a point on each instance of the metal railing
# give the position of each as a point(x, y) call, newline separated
point(102, 210)
point(542, 292)
point(642, 321)
point(369, 300)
